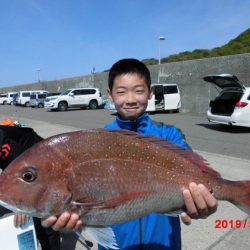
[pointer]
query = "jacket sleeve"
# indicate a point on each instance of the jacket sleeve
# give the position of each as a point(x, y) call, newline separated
point(175, 136)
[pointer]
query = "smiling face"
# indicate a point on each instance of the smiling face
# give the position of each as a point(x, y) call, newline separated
point(130, 94)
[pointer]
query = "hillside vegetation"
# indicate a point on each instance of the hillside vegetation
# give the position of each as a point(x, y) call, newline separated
point(239, 45)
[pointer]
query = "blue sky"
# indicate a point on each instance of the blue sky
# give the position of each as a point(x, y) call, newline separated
point(55, 39)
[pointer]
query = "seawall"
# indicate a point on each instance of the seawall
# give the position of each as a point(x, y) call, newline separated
point(195, 93)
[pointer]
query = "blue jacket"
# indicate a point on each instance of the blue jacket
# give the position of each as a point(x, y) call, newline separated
point(154, 231)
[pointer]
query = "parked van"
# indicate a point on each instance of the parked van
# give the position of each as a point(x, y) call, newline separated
point(23, 97)
point(10, 96)
point(165, 97)
point(37, 99)
point(3, 99)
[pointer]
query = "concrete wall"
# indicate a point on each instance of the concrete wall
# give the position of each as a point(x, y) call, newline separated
point(195, 93)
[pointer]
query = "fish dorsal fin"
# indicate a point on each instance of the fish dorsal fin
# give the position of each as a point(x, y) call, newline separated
point(187, 154)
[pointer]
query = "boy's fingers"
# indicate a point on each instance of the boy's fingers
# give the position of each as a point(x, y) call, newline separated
point(65, 221)
point(211, 202)
point(185, 218)
point(20, 220)
point(189, 203)
point(199, 200)
point(48, 222)
point(74, 222)
point(15, 220)
point(61, 221)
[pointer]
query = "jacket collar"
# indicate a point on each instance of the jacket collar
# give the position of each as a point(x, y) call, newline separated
point(139, 125)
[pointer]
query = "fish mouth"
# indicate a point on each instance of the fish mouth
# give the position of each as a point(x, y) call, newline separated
point(9, 204)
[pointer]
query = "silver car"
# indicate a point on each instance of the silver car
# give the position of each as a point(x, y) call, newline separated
point(232, 105)
point(37, 100)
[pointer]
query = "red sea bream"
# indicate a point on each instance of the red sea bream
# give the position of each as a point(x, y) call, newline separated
point(109, 177)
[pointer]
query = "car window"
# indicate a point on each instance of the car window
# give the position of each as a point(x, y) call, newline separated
point(26, 94)
point(158, 89)
point(76, 92)
point(66, 92)
point(87, 91)
point(51, 94)
point(41, 96)
point(170, 89)
point(33, 96)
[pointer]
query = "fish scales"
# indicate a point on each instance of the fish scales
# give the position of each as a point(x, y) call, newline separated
point(109, 177)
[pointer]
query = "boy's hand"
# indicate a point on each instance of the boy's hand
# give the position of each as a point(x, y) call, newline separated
point(20, 219)
point(65, 221)
point(200, 203)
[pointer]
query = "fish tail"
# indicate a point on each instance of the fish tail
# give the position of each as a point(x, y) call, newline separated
point(242, 199)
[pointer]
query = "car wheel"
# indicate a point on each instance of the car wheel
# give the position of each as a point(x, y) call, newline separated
point(93, 104)
point(26, 104)
point(40, 105)
point(4, 103)
point(62, 106)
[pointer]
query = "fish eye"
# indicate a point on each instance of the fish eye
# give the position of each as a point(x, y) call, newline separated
point(29, 175)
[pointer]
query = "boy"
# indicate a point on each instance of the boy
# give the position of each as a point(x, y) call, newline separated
point(129, 89)
point(14, 141)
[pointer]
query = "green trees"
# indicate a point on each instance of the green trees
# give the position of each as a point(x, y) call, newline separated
point(239, 45)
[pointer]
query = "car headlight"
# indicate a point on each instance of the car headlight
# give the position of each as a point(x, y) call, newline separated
point(53, 98)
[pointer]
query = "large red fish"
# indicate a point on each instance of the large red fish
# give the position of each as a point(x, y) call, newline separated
point(109, 177)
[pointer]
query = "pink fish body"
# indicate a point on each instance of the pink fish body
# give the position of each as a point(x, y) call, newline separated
point(109, 177)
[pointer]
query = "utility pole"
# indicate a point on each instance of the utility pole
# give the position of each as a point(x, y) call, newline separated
point(161, 38)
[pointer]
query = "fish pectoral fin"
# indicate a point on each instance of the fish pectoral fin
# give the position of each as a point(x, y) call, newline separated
point(103, 235)
point(83, 206)
point(86, 204)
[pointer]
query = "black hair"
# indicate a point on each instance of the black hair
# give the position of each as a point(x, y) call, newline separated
point(129, 66)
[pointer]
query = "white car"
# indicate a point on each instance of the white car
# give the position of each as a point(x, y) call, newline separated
point(3, 99)
point(232, 105)
point(75, 98)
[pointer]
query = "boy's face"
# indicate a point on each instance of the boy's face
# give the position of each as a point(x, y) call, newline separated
point(130, 95)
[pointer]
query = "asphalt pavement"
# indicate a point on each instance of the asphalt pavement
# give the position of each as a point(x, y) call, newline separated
point(218, 231)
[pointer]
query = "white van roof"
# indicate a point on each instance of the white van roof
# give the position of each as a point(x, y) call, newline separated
point(34, 91)
point(164, 84)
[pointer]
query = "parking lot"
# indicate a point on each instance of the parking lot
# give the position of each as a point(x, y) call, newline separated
point(226, 149)
point(200, 134)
